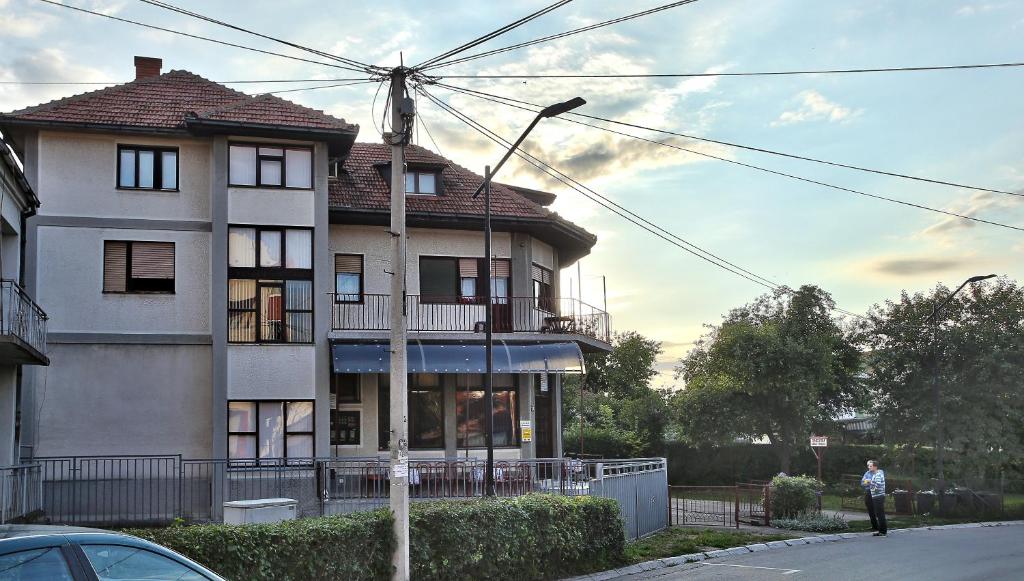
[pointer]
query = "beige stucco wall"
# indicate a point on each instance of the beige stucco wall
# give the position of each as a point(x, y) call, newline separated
point(70, 282)
point(79, 178)
point(543, 254)
point(271, 371)
point(125, 399)
point(268, 207)
point(374, 243)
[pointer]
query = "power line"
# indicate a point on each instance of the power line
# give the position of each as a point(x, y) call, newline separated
point(197, 37)
point(603, 201)
point(482, 94)
point(746, 74)
point(779, 173)
point(250, 81)
point(492, 34)
point(559, 35)
point(618, 209)
point(360, 65)
point(364, 82)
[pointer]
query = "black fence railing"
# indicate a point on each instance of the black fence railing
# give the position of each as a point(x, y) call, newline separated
point(21, 317)
point(466, 315)
point(114, 491)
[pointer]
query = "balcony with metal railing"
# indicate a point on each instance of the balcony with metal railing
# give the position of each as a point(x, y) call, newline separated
point(563, 316)
point(22, 327)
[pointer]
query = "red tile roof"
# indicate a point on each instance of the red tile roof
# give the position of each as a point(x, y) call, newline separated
point(165, 101)
point(362, 187)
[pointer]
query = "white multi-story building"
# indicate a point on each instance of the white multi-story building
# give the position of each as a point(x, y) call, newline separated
point(216, 271)
point(22, 322)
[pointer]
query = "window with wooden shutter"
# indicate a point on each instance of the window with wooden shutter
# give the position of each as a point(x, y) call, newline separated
point(348, 278)
point(543, 295)
point(115, 266)
point(138, 267)
point(468, 272)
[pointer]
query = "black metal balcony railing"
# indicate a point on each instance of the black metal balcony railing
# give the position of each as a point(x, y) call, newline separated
point(21, 317)
point(462, 315)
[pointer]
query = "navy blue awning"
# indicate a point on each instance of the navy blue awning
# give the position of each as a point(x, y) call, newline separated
point(563, 357)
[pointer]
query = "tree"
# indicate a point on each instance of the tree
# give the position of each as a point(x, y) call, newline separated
point(619, 404)
point(979, 348)
point(778, 367)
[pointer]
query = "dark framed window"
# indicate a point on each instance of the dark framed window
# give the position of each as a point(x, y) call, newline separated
point(131, 266)
point(543, 296)
point(424, 183)
point(261, 429)
point(345, 427)
point(471, 413)
point(348, 278)
point(426, 411)
point(450, 280)
point(262, 165)
point(141, 167)
point(270, 285)
point(345, 388)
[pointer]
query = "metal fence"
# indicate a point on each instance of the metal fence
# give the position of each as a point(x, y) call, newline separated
point(21, 491)
point(727, 506)
point(466, 314)
point(153, 490)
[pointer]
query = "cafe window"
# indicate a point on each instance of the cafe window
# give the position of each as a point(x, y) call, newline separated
point(345, 427)
point(426, 411)
point(345, 388)
point(270, 429)
point(471, 413)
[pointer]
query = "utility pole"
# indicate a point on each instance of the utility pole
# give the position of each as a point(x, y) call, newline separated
point(489, 339)
point(401, 123)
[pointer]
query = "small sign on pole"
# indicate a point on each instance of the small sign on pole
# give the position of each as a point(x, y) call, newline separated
point(818, 445)
point(819, 441)
point(526, 430)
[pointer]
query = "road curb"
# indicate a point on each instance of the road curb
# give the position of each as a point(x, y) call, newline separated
point(668, 562)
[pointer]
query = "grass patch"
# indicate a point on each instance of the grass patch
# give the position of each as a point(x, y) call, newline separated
point(677, 541)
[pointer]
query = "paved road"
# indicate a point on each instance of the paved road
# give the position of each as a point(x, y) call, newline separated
point(977, 553)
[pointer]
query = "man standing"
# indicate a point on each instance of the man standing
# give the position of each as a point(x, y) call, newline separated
point(874, 497)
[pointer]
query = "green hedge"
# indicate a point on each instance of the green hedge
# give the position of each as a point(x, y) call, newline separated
point(530, 537)
point(745, 462)
point(536, 536)
point(356, 546)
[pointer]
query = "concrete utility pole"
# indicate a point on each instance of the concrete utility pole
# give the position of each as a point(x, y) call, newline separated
point(401, 122)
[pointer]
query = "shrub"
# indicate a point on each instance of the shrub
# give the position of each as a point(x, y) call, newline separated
point(813, 522)
point(530, 537)
point(355, 546)
point(603, 442)
point(793, 496)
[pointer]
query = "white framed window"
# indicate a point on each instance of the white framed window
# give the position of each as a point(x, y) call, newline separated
point(147, 168)
point(423, 183)
point(270, 166)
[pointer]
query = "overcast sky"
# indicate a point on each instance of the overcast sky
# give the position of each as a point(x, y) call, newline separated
point(958, 126)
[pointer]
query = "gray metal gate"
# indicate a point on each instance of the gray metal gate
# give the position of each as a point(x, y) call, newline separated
point(641, 488)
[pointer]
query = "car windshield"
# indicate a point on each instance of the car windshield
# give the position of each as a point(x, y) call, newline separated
point(116, 562)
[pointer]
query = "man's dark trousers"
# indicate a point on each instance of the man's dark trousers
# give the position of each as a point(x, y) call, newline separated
point(876, 510)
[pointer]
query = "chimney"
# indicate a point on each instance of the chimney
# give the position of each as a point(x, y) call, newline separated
point(147, 67)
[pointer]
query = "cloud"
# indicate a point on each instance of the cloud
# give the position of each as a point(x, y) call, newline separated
point(813, 106)
point(47, 64)
point(917, 266)
point(21, 23)
point(978, 202)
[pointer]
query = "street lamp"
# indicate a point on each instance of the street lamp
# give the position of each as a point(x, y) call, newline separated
point(485, 187)
point(936, 393)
